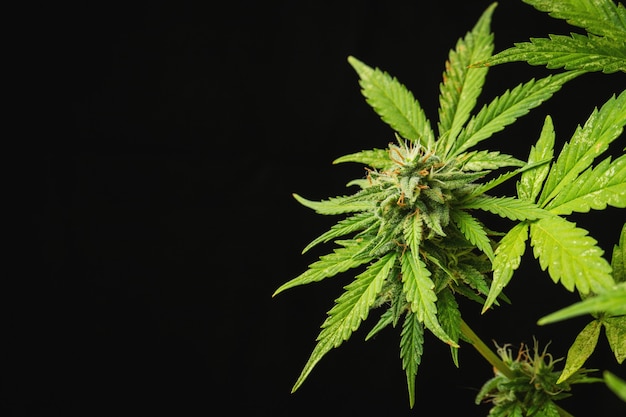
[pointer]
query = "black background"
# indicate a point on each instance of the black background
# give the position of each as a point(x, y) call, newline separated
point(165, 142)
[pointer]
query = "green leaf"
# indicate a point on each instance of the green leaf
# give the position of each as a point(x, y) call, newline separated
point(472, 277)
point(508, 256)
point(507, 207)
point(394, 104)
point(615, 329)
point(508, 107)
point(615, 384)
point(570, 255)
point(385, 320)
point(418, 288)
point(462, 85)
point(349, 311)
point(450, 319)
point(375, 158)
point(340, 260)
point(594, 189)
point(488, 387)
point(357, 222)
point(575, 52)
point(618, 260)
point(473, 231)
point(581, 349)
point(612, 301)
point(529, 185)
point(600, 129)
point(601, 17)
point(361, 201)
point(486, 160)
point(411, 349)
point(483, 188)
point(413, 231)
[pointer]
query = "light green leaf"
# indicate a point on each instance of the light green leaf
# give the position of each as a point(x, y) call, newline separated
point(411, 349)
point(615, 384)
point(570, 255)
point(418, 288)
point(601, 17)
point(394, 104)
point(349, 311)
point(615, 329)
point(340, 260)
point(473, 231)
point(575, 52)
point(612, 301)
point(413, 231)
point(508, 256)
point(361, 201)
point(483, 188)
point(508, 207)
point(600, 129)
point(618, 260)
point(581, 349)
point(472, 277)
point(462, 85)
point(593, 189)
point(508, 107)
point(357, 222)
point(529, 185)
point(486, 160)
point(375, 158)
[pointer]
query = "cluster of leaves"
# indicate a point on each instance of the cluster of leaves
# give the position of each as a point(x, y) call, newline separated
point(601, 48)
point(531, 386)
point(609, 312)
point(411, 228)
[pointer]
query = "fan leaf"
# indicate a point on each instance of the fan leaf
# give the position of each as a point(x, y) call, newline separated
point(507, 207)
point(508, 256)
point(418, 288)
point(594, 189)
point(340, 260)
point(601, 17)
point(461, 84)
point(529, 185)
point(349, 311)
point(570, 255)
point(508, 107)
point(600, 130)
point(394, 103)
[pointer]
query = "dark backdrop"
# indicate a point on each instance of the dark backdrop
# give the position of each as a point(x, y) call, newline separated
point(166, 141)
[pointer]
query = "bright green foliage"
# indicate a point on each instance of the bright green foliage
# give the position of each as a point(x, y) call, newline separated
point(602, 48)
point(531, 388)
point(412, 228)
point(349, 311)
point(570, 255)
point(609, 308)
point(571, 184)
point(581, 349)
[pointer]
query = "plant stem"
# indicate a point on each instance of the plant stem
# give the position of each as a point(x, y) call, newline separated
point(493, 359)
point(486, 353)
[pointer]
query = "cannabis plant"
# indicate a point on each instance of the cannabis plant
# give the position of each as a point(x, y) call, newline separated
point(412, 232)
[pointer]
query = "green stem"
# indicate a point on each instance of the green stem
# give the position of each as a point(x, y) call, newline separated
point(493, 359)
point(486, 353)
